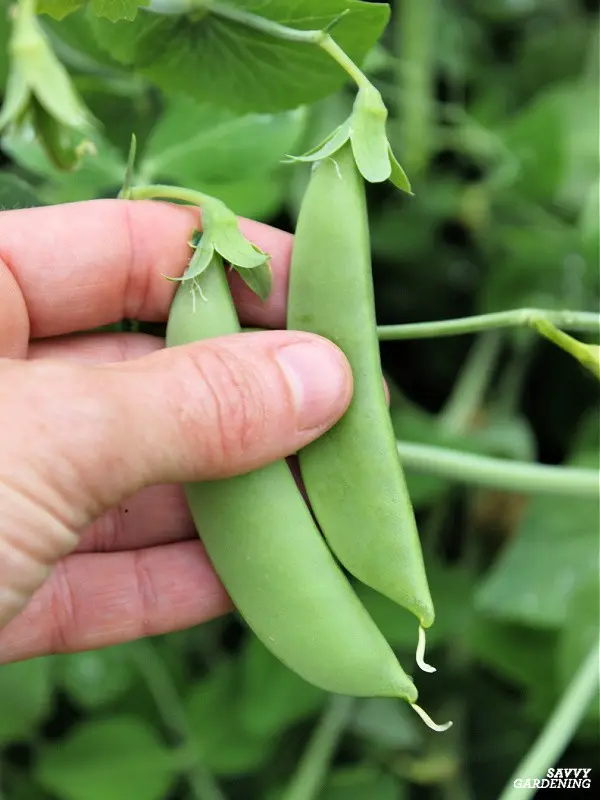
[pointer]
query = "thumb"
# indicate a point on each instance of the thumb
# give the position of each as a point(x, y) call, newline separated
point(83, 438)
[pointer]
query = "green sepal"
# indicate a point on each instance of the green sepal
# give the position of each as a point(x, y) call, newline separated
point(259, 279)
point(199, 262)
point(397, 176)
point(368, 136)
point(221, 227)
point(330, 145)
point(39, 89)
point(58, 141)
point(588, 355)
point(16, 99)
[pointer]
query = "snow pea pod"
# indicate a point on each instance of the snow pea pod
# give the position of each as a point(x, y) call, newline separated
point(352, 473)
point(267, 550)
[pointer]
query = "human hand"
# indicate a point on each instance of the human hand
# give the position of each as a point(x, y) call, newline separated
point(96, 544)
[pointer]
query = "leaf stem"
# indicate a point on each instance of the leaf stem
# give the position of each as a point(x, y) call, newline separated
point(572, 320)
point(560, 728)
point(160, 191)
point(168, 703)
point(497, 473)
point(320, 38)
point(308, 780)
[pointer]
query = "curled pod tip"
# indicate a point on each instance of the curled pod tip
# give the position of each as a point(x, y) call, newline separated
point(420, 655)
point(428, 721)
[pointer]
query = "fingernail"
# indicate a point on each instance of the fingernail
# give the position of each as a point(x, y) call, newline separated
point(320, 382)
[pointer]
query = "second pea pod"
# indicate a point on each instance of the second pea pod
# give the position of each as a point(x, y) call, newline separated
point(352, 474)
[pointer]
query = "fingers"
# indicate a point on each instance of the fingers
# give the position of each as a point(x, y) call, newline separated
point(94, 435)
point(156, 515)
point(103, 599)
point(14, 322)
point(84, 265)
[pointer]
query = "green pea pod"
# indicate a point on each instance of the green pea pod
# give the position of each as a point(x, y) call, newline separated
point(267, 550)
point(352, 473)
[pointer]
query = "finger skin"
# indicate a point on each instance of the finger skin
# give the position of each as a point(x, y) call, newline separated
point(83, 265)
point(96, 434)
point(104, 599)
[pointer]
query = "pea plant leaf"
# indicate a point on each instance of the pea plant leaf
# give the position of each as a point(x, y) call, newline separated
point(111, 9)
point(205, 143)
point(58, 9)
point(273, 697)
point(25, 697)
point(555, 549)
point(117, 9)
point(132, 763)
point(173, 50)
point(225, 745)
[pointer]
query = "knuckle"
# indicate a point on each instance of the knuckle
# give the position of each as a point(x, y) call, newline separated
point(106, 532)
point(231, 405)
point(62, 610)
point(145, 592)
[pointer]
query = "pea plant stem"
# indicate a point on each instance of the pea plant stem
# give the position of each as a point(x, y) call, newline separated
point(165, 695)
point(559, 729)
point(586, 321)
point(307, 782)
point(472, 383)
point(414, 32)
point(497, 473)
point(159, 191)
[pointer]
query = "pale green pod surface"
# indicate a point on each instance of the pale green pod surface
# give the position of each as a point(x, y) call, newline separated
point(352, 473)
point(267, 550)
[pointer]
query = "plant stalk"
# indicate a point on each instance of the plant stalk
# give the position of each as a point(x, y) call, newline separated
point(156, 676)
point(559, 729)
point(571, 320)
point(414, 33)
point(308, 780)
point(497, 473)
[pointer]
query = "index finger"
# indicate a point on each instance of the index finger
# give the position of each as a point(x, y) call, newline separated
point(83, 265)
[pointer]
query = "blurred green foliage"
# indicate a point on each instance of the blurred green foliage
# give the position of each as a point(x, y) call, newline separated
point(495, 105)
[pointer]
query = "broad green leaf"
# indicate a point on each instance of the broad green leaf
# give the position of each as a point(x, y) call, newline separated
point(517, 653)
point(97, 677)
point(115, 10)
point(58, 9)
point(16, 193)
point(224, 744)
point(536, 265)
point(256, 199)
point(111, 9)
point(242, 68)
point(4, 56)
point(554, 549)
point(206, 143)
point(360, 783)
point(272, 696)
point(580, 633)
point(385, 722)
point(554, 140)
point(25, 696)
point(118, 758)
